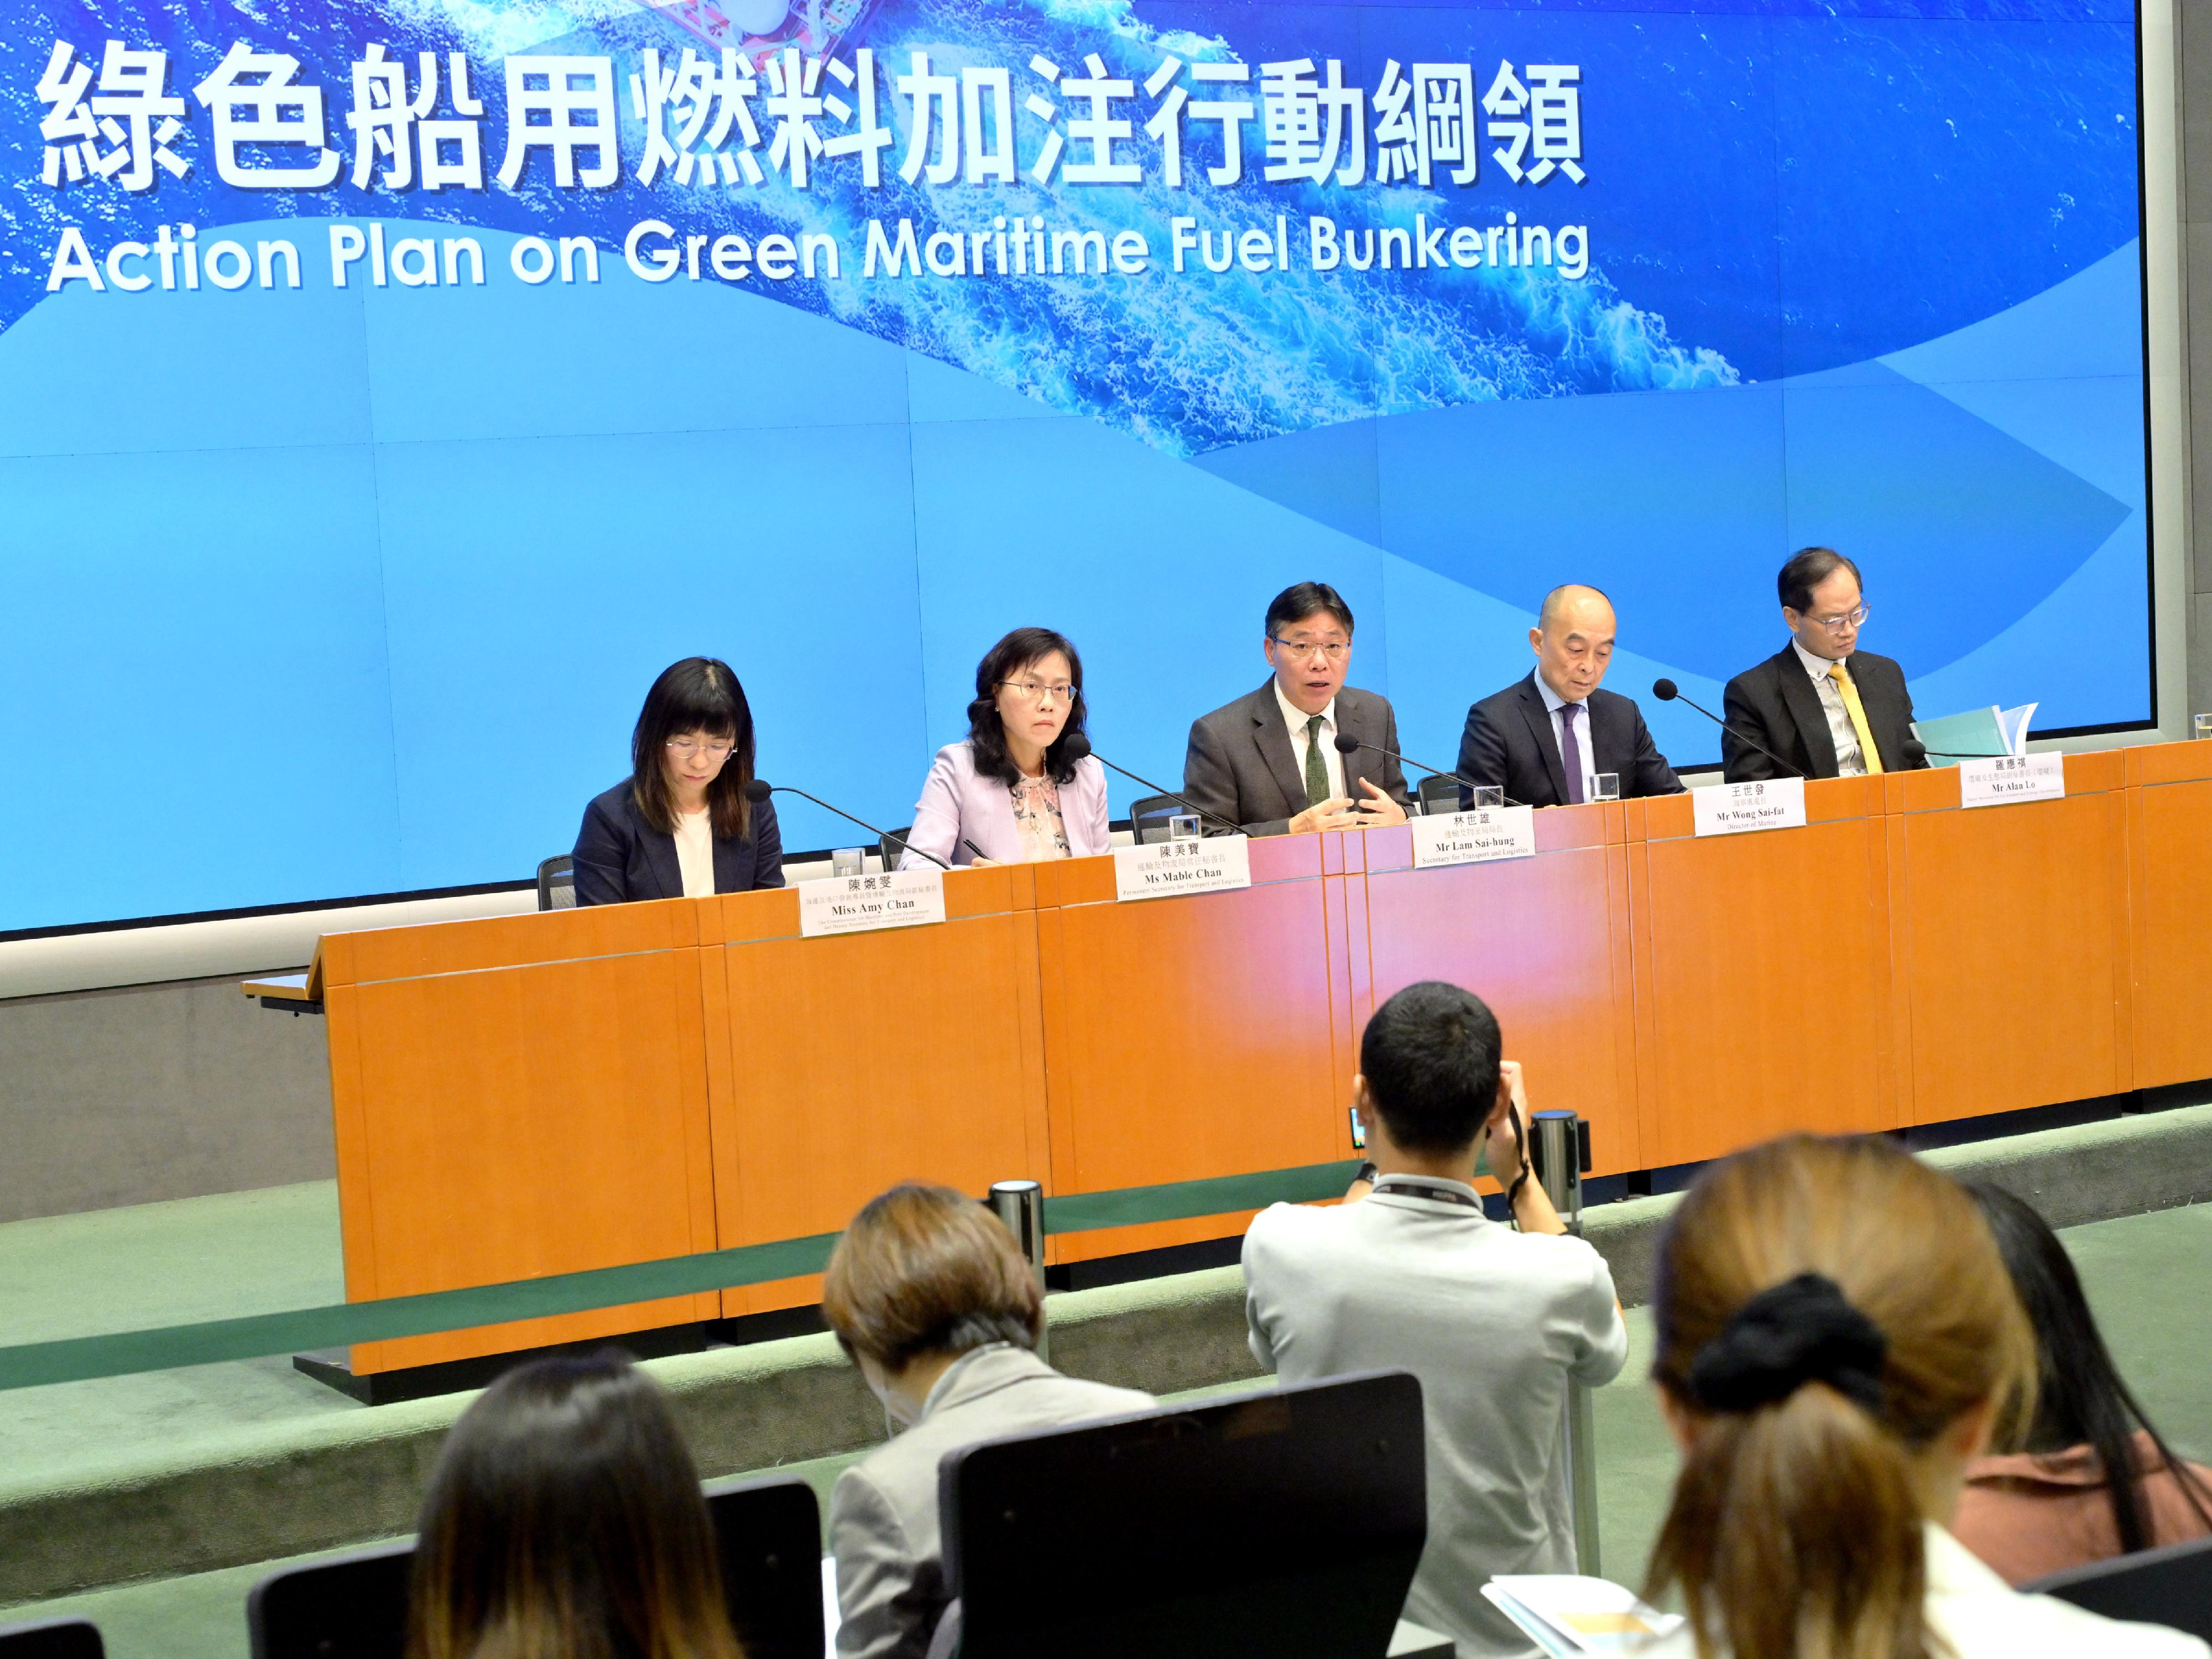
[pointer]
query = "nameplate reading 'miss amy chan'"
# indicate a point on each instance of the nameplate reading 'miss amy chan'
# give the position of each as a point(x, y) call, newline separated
point(860, 904)
point(1475, 837)
point(2001, 780)
point(1162, 869)
point(1731, 809)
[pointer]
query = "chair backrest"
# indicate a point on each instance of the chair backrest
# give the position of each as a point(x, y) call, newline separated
point(1283, 1521)
point(893, 847)
point(556, 883)
point(1438, 796)
point(51, 1638)
point(354, 1606)
point(2172, 1585)
point(1148, 818)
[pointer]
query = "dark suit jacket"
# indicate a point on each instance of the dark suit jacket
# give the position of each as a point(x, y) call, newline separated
point(1509, 742)
point(1241, 764)
point(620, 857)
point(1777, 703)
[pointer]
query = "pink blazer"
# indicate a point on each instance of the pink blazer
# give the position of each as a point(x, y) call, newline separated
point(956, 804)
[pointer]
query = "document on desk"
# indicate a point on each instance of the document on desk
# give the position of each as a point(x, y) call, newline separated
point(1473, 837)
point(1164, 869)
point(1730, 809)
point(1572, 1616)
point(860, 904)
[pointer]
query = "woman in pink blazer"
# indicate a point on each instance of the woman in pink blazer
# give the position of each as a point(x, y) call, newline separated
point(1008, 790)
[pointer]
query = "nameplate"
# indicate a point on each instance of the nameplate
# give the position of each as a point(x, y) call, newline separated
point(1162, 869)
point(1730, 809)
point(2004, 779)
point(861, 904)
point(1475, 837)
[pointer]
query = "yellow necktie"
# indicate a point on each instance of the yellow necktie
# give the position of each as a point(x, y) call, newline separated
point(1856, 710)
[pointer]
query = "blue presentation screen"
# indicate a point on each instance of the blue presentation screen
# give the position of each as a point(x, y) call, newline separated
point(389, 389)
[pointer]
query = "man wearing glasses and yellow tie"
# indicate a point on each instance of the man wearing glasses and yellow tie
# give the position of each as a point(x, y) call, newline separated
point(1827, 707)
point(1305, 751)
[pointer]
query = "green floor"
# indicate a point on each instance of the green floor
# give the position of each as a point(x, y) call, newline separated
point(2143, 1274)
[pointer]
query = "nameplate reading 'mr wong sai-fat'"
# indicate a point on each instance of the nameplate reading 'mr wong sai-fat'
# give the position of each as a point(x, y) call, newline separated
point(859, 904)
point(1162, 869)
point(1475, 837)
point(1730, 809)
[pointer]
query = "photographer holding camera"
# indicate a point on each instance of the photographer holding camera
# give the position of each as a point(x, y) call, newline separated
point(1494, 1322)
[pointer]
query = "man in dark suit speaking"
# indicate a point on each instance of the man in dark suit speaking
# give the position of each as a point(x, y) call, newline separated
point(1545, 738)
point(1821, 703)
point(1269, 761)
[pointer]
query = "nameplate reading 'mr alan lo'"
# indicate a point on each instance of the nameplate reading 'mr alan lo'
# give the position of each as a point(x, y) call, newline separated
point(2001, 780)
point(1730, 809)
point(1475, 837)
point(1164, 868)
point(858, 904)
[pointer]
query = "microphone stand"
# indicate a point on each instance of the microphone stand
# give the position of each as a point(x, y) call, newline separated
point(881, 835)
point(1345, 743)
point(1666, 691)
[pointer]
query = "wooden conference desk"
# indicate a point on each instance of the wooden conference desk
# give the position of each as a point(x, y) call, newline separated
point(538, 1094)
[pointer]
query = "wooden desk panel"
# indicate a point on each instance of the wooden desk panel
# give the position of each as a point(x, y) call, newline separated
point(1762, 974)
point(847, 1064)
point(1544, 941)
point(500, 1119)
point(2170, 912)
point(1188, 1037)
point(2011, 941)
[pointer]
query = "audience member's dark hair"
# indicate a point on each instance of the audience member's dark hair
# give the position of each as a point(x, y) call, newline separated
point(924, 1270)
point(2081, 1399)
point(700, 694)
point(1021, 649)
point(1431, 1055)
point(1300, 601)
point(1809, 567)
point(564, 1521)
point(1825, 1311)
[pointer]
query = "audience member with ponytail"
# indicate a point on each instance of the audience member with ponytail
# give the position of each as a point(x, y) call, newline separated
point(1837, 1340)
point(2053, 1502)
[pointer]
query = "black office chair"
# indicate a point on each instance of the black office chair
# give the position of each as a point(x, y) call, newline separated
point(1148, 818)
point(556, 883)
point(1438, 796)
point(354, 1606)
point(1282, 1523)
point(51, 1638)
point(2172, 1585)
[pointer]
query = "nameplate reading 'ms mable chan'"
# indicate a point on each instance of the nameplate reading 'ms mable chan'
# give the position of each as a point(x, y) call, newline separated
point(1475, 837)
point(1730, 809)
point(1162, 869)
point(861, 904)
point(2001, 780)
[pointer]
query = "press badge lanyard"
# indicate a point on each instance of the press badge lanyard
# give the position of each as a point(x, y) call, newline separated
point(1414, 1187)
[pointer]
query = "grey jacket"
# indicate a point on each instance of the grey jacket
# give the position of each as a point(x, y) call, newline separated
point(883, 1510)
point(1241, 765)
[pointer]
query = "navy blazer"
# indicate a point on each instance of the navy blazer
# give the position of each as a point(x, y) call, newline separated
point(1509, 742)
point(620, 857)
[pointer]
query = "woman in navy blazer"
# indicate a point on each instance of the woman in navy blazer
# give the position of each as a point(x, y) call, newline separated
point(1008, 790)
point(679, 826)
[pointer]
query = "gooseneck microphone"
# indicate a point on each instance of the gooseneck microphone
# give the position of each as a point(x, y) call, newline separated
point(1915, 752)
point(1076, 747)
point(760, 789)
point(1668, 691)
point(1348, 744)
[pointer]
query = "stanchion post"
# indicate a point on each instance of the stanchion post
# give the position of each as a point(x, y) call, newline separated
point(1557, 1150)
point(1020, 1204)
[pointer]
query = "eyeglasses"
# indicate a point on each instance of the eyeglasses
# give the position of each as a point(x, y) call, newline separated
point(1030, 691)
point(686, 747)
point(1332, 649)
point(1849, 619)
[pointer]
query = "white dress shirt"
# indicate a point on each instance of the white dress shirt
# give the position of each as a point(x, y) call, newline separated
point(1296, 721)
point(1554, 703)
point(1849, 763)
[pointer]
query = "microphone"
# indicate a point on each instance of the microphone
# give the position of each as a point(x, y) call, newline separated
point(1668, 691)
point(760, 789)
point(1913, 749)
point(1348, 744)
point(1077, 747)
